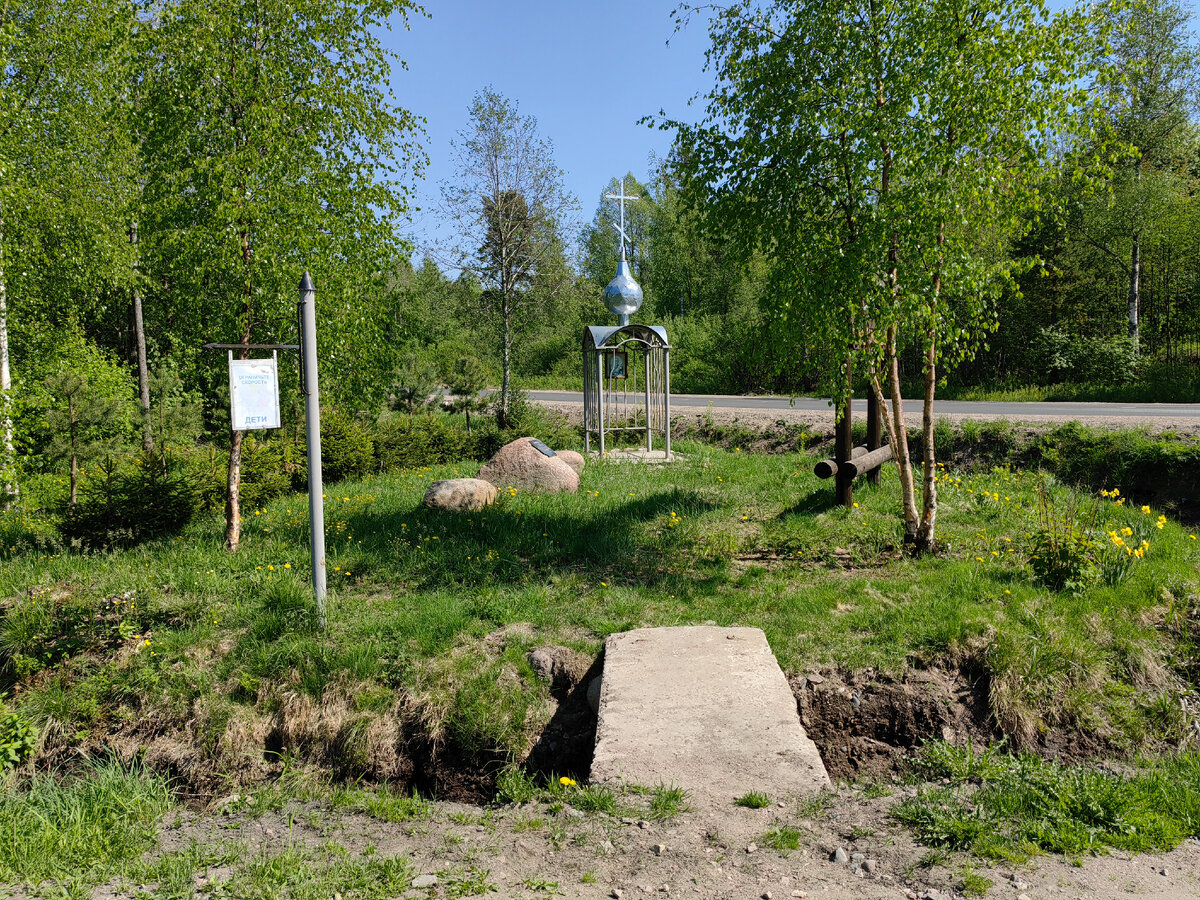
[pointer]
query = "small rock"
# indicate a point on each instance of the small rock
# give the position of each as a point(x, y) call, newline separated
point(616, 893)
point(628, 821)
point(1024, 897)
point(424, 881)
point(781, 804)
point(607, 846)
point(766, 895)
point(858, 857)
point(575, 813)
point(643, 824)
point(1019, 885)
point(750, 848)
point(658, 849)
point(460, 494)
point(816, 679)
point(800, 894)
point(870, 866)
point(666, 889)
point(645, 888)
point(840, 855)
point(910, 894)
point(1162, 872)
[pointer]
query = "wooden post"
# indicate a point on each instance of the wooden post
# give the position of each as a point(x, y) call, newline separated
point(874, 438)
point(843, 452)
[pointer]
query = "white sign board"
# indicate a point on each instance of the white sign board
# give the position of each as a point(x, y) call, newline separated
point(253, 393)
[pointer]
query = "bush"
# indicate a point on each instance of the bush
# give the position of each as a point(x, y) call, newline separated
point(154, 496)
point(347, 450)
point(268, 468)
point(428, 441)
point(18, 738)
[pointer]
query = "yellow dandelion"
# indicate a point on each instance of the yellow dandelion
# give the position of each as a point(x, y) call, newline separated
point(567, 782)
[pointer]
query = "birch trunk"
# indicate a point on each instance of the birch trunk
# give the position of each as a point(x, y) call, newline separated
point(139, 335)
point(9, 490)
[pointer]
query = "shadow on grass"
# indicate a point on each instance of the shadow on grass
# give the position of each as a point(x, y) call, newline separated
point(530, 539)
point(816, 501)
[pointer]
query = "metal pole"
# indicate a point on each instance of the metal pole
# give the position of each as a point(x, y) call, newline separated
point(667, 397)
point(312, 417)
point(646, 363)
point(600, 404)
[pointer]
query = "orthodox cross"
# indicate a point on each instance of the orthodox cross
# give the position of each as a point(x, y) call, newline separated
point(621, 228)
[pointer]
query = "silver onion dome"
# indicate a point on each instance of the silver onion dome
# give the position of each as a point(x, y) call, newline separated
point(623, 296)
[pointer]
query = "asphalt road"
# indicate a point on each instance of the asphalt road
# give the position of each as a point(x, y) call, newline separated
point(988, 408)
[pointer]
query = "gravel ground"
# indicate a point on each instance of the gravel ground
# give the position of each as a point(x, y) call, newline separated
point(822, 422)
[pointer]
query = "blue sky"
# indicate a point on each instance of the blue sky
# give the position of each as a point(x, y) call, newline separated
point(586, 70)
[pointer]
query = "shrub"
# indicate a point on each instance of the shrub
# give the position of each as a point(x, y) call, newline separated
point(425, 442)
point(347, 450)
point(18, 738)
point(154, 496)
point(268, 468)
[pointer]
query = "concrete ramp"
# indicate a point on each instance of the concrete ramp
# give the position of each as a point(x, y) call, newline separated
point(705, 708)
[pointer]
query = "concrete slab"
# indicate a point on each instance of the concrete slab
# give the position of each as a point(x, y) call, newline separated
point(638, 455)
point(705, 708)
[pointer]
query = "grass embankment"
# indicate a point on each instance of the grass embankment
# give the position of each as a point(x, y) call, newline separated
point(1094, 642)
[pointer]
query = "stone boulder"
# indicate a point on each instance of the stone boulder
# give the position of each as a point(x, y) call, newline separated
point(572, 459)
point(460, 494)
point(521, 465)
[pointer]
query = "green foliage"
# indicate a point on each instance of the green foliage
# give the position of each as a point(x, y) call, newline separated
point(1063, 552)
point(286, 607)
point(427, 442)
point(666, 802)
point(347, 450)
point(753, 800)
point(270, 468)
point(1025, 805)
point(89, 824)
point(130, 502)
point(465, 380)
point(783, 838)
point(413, 389)
point(515, 786)
point(18, 738)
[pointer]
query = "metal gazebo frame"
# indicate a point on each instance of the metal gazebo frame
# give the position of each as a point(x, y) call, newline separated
point(617, 358)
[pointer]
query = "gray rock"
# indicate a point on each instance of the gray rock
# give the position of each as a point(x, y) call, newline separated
point(575, 813)
point(658, 849)
point(816, 679)
point(751, 848)
point(518, 464)
point(593, 693)
point(424, 881)
point(870, 866)
point(572, 459)
point(617, 894)
point(460, 494)
point(542, 662)
point(858, 857)
point(840, 855)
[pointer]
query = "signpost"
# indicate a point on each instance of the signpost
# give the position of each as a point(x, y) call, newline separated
point(253, 393)
point(254, 404)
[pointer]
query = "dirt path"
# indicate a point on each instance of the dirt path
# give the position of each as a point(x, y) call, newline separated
point(532, 850)
point(821, 421)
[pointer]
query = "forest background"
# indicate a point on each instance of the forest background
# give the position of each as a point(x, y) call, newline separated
point(168, 170)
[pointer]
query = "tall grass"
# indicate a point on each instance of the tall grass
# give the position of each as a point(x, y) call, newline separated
point(91, 822)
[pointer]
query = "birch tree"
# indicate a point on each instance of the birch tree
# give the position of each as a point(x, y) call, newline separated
point(272, 146)
point(508, 208)
point(63, 152)
point(884, 153)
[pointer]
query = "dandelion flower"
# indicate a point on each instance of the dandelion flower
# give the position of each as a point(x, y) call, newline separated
point(270, 568)
point(567, 782)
